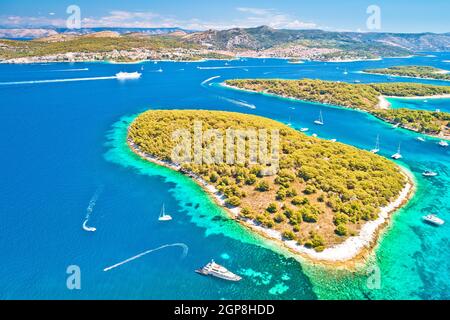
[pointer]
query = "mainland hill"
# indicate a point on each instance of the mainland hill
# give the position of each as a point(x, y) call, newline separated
point(252, 42)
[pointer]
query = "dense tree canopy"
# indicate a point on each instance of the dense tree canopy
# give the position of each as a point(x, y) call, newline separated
point(425, 72)
point(322, 192)
point(359, 96)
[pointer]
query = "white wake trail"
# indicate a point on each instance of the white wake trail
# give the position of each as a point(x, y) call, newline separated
point(240, 103)
point(140, 255)
point(209, 79)
point(90, 209)
point(70, 70)
point(57, 80)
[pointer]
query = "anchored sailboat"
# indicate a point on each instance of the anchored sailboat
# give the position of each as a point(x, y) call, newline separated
point(397, 155)
point(377, 146)
point(320, 120)
point(163, 216)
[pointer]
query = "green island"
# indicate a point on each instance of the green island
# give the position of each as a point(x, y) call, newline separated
point(421, 72)
point(366, 97)
point(322, 193)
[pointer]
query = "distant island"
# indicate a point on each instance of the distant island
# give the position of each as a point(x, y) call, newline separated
point(366, 97)
point(418, 72)
point(323, 194)
point(133, 45)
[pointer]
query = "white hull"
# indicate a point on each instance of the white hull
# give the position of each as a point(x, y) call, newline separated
point(128, 75)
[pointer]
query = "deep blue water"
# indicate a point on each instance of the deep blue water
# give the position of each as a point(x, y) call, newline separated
point(62, 143)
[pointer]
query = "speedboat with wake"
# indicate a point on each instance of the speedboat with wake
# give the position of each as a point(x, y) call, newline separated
point(87, 228)
point(216, 270)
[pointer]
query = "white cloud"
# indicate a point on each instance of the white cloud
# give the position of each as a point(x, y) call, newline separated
point(24, 21)
point(252, 17)
point(272, 18)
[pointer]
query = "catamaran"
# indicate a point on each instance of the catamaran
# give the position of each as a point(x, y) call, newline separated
point(433, 219)
point(429, 173)
point(216, 270)
point(443, 143)
point(377, 145)
point(163, 216)
point(320, 120)
point(397, 155)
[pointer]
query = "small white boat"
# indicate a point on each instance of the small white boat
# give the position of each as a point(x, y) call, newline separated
point(163, 216)
point(396, 125)
point(87, 228)
point(345, 72)
point(429, 173)
point(420, 139)
point(443, 144)
point(333, 140)
point(377, 146)
point(320, 120)
point(289, 123)
point(128, 75)
point(314, 135)
point(357, 81)
point(397, 155)
point(304, 129)
point(433, 219)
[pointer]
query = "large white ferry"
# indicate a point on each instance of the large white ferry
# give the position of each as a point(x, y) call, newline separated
point(128, 75)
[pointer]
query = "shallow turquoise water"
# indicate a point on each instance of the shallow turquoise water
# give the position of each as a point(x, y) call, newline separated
point(63, 144)
point(422, 104)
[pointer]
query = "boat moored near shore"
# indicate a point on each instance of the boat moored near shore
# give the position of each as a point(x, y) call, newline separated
point(433, 219)
point(216, 270)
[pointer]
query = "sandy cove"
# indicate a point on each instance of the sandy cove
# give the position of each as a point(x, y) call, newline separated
point(349, 254)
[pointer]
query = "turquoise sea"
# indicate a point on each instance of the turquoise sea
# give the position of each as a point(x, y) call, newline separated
point(64, 157)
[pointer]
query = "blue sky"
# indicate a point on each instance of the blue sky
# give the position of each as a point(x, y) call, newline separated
point(349, 15)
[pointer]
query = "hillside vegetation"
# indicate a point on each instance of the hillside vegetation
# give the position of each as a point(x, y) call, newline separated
point(13, 49)
point(423, 72)
point(322, 193)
